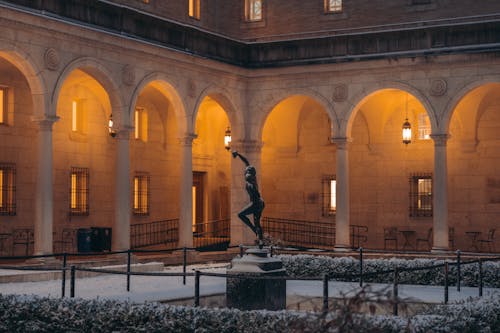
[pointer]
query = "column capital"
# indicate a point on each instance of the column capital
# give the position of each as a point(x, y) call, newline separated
point(45, 123)
point(341, 142)
point(247, 146)
point(440, 140)
point(187, 140)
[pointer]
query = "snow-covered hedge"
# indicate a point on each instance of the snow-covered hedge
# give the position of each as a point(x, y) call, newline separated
point(28, 314)
point(317, 266)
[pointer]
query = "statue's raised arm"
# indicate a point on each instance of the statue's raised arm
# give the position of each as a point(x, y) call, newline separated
point(243, 158)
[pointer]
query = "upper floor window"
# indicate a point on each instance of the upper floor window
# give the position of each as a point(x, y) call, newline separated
point(3, 105)
point(194, 9)
point(141, 124)
point(253, 10)
point(424, 127)
point(79, 191)
point(421, 195)
point(78, 117)
point(333, 6)
point(141, 193)
point(329, 184)
point(7, 189)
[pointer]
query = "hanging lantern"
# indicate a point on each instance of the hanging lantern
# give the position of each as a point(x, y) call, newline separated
point(227, 139)
point(111, 130)
point(406, 132)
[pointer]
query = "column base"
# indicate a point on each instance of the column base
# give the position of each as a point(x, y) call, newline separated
point(342, 248)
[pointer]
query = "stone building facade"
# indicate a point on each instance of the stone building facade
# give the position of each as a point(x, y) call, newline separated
point(313, 98)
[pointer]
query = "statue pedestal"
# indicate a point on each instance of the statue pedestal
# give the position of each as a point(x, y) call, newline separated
point(248, 293)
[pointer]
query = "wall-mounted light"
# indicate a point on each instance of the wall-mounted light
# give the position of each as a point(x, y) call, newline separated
point(406, 125)
point(112, 131)
point(227, 139)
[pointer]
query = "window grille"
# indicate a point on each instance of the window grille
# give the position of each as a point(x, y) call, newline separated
point(329, 184)
point(333, 6)
point(79, 191)
point(421, 195)
point(424, 127)
point(253, 10)
point(7, 189)
point(141, 124)
point(194, 9)
point(141, 193)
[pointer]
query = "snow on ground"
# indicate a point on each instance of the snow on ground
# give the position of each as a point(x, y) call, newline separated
point(152, 288)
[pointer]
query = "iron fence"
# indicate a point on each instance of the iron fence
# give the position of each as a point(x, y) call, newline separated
point(300, 233)
point(155, 233)
point(212, 235)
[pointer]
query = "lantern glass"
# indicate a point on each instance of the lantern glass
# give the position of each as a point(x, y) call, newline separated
point(406, 132)
point(227, 139)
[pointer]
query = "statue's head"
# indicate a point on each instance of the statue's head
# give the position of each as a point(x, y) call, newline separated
point(250, 170)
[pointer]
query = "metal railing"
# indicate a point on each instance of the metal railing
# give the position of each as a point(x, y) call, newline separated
point(212, 235)
point(300, 233)
point(154, 233)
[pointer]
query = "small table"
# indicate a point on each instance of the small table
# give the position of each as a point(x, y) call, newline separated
point(408, 235)
point(473, 238)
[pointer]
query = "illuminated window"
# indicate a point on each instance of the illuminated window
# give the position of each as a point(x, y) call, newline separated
point(3, 105)
point(421, 195)
point(194, 9)
point(78, 117)
point(253, 10)
point(424, 127)
point(333, 6)
point(141, 124)
point(329, 195)
point(79, 191)
point(141, 193)
point(7, 189)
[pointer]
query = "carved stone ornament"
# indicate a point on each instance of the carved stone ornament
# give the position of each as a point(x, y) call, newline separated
point(128, 75)
point(438, 87)
point(339, 93)
point(52, 60)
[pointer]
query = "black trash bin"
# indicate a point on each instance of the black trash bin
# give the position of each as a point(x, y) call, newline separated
point(101, 239)
point(84, 240)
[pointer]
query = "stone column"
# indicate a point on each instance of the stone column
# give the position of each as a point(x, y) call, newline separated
point(44, 195)
point(240, 233)
point(440, 194)
point(186, 191)
point(121, 230)
point(342, 181)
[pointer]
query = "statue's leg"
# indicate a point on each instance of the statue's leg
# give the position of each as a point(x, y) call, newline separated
point(243, 216)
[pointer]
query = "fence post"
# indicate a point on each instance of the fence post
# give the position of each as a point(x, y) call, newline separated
point(395, 291)
point(129, 255)
point(241, 250)
point(459, 270)
point(361, 267)
point(184, 263)
point(325, 294)
point(272, 251)
point(480, 277)
point(72, 282)
point(63, 278)
point(445, 282)
point(197, 288)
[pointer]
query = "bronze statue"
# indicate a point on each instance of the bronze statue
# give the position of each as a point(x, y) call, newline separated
point(256, 205)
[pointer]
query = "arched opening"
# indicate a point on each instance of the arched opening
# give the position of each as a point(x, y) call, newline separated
point(474, 161)
point(84, 164)
point(155, 170)
point(211, 177)
point(390, 181)
point(298, 174)
point(18, 161)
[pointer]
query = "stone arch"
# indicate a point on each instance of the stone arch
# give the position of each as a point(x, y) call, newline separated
point(221, 96)
point(272, 101)
point(367, 92)
point(459, 95)
point(102, 75)
point(27, 66)
point(167, 88)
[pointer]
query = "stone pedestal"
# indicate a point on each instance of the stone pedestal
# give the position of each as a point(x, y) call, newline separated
point(248, 293)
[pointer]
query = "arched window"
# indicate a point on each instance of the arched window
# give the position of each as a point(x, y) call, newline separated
point(253, 10)
point(194, 9)
point(141, 124)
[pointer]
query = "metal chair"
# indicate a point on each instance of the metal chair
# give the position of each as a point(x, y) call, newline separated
point(427, 239)
point(489, 240)
point(391, 235)
point(24, 238)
